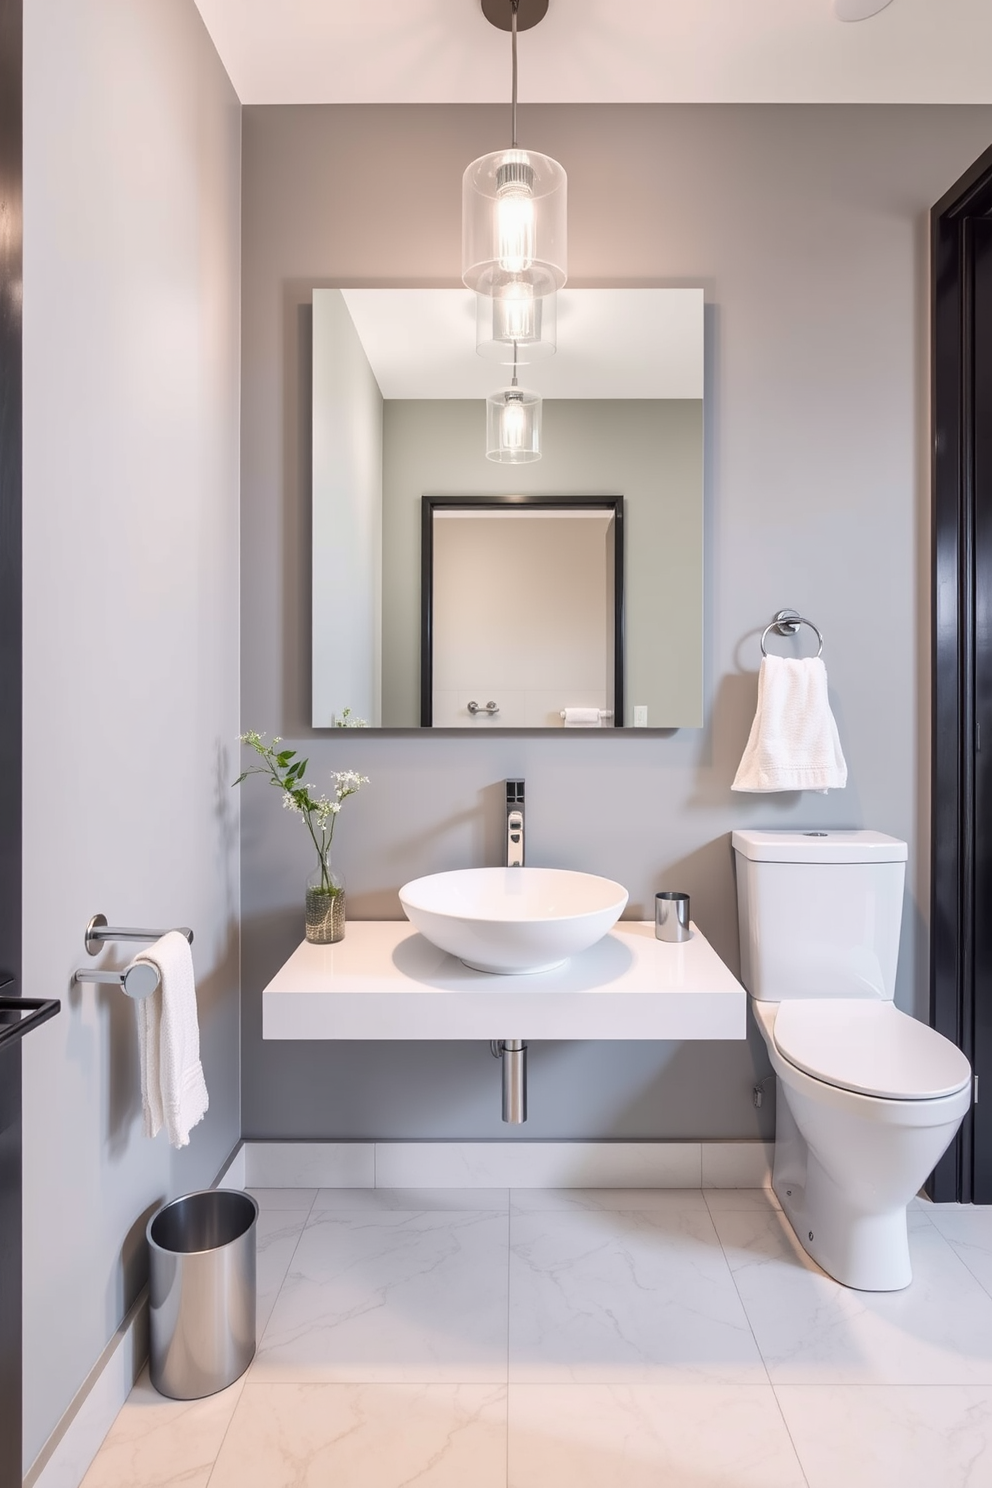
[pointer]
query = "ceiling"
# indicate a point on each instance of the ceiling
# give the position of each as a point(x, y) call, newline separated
point(604, 51)
point(616, 343)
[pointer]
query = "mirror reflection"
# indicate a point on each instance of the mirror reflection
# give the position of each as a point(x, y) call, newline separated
point(399, 415)
point(523, 612)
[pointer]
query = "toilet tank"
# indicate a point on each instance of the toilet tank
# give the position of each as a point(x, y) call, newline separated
point(820, 913)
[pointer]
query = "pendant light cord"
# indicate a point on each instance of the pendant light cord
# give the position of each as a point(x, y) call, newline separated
point(513, 48)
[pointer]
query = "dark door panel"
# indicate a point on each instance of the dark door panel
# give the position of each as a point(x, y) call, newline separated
point(981, 231)
point(961, 779)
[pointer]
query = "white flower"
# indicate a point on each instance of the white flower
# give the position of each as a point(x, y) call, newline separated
point(347, 782)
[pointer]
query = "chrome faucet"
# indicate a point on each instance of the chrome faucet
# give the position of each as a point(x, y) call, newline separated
point(514, 824)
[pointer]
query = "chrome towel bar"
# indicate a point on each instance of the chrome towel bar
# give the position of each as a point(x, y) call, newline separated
point(137, 981)
point(97, 931)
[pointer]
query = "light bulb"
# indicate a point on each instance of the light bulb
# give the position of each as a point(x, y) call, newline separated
point(513, 423)
point(516, 324)
point(513, 222)
point(516, 314)
point(515, 229)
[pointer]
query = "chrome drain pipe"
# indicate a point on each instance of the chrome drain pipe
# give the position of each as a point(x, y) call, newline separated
point(514, 1081)
point(513, 1053)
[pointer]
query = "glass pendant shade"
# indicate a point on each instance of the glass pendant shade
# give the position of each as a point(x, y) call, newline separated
point(516, 325)
point(514, 223)
point(513, 426)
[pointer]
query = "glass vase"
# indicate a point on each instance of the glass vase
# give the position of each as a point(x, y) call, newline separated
point(325, 907)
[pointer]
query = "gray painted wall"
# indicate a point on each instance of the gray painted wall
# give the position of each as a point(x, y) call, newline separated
point(131, 344)
point(647, 450)
point(808, 228)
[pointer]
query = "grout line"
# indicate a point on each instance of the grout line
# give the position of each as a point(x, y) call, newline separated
point(764, 1364)
point(747, 1315)
point(959, 1257)
point(242, 1382)
point(289, 1263)
point(778, 1406)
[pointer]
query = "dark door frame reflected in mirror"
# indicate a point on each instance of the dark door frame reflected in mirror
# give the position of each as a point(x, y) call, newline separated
point(432, 505)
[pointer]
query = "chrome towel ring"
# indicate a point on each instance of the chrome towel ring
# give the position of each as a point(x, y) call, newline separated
point(787, 622)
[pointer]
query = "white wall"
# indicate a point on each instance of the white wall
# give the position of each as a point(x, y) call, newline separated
point(347, 519)
point(131, 413)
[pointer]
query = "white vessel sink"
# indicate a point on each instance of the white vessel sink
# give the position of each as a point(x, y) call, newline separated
point(513, 920)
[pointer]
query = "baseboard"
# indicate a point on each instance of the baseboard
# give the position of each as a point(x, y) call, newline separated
point(745, 1164)
point(310, 1164)
point(232, 1174)
point(65, 1458)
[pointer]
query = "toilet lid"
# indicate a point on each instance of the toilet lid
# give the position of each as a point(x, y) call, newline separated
point(869, 1047)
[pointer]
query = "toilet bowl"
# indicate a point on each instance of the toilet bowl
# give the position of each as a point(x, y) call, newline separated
point(868, 1098)
point(848, 1161)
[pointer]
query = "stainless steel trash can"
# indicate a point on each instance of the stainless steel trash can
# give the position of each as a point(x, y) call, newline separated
point(202, 1291)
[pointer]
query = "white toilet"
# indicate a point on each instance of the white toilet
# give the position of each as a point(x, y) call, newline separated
point(868, 1097)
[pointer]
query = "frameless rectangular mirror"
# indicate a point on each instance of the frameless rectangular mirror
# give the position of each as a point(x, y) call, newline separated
point(399, 416)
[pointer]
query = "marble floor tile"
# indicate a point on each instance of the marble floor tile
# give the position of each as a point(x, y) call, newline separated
point(277, 1233)
point(646, 1436)
point(645, 1200)
point(728, 1200)
point(283, 1198)
point(967, 1228)
point(156, 1442)
point(891, 1436)
point(366, 1436)
point(392, 1296)
point(413, 1200)
point(624, 1297)
point(812, 1330)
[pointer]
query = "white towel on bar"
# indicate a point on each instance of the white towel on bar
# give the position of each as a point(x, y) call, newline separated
point(794, 743)
point(173, 1091)
point(583, 718)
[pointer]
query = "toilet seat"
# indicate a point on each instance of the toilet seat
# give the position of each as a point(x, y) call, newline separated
point(870, 1048)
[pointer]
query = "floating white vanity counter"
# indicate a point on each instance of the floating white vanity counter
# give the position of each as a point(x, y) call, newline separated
point(385, 981)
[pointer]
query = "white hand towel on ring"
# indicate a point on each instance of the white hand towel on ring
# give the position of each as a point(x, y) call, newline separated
point(794, 744)
point(173, 1091)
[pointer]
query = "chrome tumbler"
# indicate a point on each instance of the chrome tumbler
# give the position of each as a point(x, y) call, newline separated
point(671, 916)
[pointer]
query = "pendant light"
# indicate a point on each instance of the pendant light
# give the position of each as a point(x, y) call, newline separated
point(514, 202)
point(513, 424)
point(516, 325)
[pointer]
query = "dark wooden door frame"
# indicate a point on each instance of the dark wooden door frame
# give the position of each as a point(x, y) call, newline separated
point(965, 1172)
